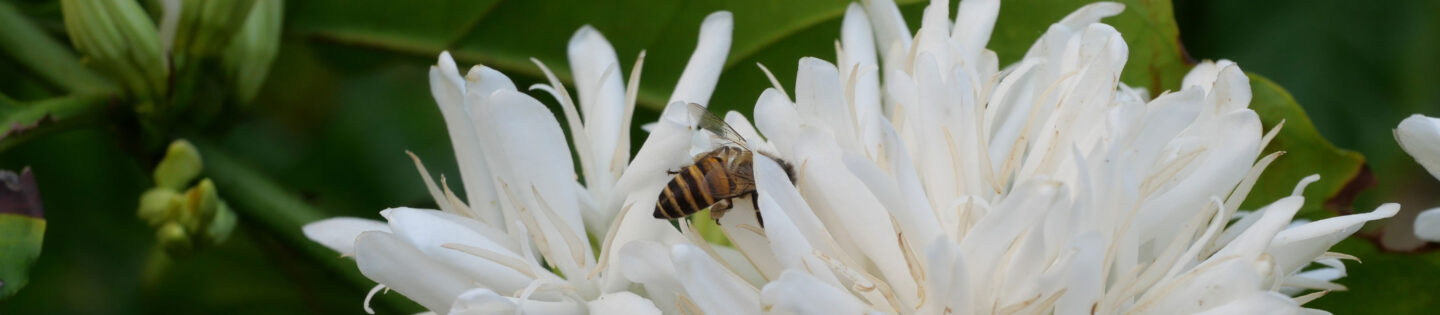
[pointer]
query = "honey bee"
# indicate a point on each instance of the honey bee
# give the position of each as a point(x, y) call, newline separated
point(716, 177)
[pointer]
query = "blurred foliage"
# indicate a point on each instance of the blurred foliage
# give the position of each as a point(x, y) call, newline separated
point(347, 95)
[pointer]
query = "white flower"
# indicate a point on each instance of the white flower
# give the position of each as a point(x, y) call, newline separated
point(1419, 136)
point(930, 180)
point(523, 204)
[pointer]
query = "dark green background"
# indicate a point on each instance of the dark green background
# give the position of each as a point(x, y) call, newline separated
point(348, 95)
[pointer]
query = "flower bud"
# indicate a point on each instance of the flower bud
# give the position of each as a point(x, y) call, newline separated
point(173, 238)
point(121, 41)
point(159, 205)
point(247, 60)
point(180, 165)
point(200, 204)
point(206, 27)
point(222, 223)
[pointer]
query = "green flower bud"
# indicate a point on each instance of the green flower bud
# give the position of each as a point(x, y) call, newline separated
point(200, 205)
point(206, 27)
point(247, 60)
point(180, 165)
point(158, 205)
point(220, 226)
point(174, 239)
point(120, 40)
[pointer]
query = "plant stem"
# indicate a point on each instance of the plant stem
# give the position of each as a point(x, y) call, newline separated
point(27, 43)
point(259, 200)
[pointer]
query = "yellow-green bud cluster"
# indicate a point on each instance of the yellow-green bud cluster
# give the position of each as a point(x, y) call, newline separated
point(185, 219)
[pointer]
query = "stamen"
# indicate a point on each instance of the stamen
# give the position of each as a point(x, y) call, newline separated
point(1301, 300)
point(573, 242)
point(604, 259)
point(621, 156)
point(773, 81)
point(572, 117)
point(430, 183)
point(511, 262)
point(371, 295)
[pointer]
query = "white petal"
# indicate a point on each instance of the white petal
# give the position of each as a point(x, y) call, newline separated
point(1203, 288)
point(890, 29)
point(339, 233)
point(819, 95)
point(602, 99)
point(1257, 236)
point(1295, 247)
point(1419, 136)
point(1091, 13)
point(974, 19)
point(842, 201)
point(713, 288)
point(636, 192)
point(484, 301)
point(1257, 303)
point(703, 70)
point(801, 293)
point(448, 89)
point(622, 303)
point(429, 232)
point(947, 280)
point(388, 260)
point(1427, 225)
point(776, 117)
point(648, 263)
point(528, 152)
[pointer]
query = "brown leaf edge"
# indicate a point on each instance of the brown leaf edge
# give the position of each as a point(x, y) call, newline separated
point(19, 194)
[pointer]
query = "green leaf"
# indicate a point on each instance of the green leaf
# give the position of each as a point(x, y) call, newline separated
point(504, 35)
point(22, 229)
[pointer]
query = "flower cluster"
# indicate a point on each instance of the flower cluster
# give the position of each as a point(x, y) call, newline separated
point(928, 179)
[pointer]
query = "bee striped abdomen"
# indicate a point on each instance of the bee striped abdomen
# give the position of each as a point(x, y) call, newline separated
point(690, 191)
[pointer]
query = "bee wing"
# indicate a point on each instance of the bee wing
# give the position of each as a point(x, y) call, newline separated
point(716, 126)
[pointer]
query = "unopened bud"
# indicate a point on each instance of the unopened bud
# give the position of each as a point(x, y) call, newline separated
point(220, 226)
point(200, 204)
point(173, 238)
point(206, 27)
point(158, 205)
point(247, 60)
point(180, 165)
point(121, 41)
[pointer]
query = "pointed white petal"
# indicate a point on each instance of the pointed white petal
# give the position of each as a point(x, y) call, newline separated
point(429, 232)
point(339, 233)
point(532, 163)
point(713, 288)
point(1295, 247)
point(703, 70)
point(974, 19)
point(648, 263)
point(602, 97)
point(803, 294)
point(390, 261)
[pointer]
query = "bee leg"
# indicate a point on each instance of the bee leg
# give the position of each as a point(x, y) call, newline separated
point(718, 209)
point(670, 172)
point(755, 200)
